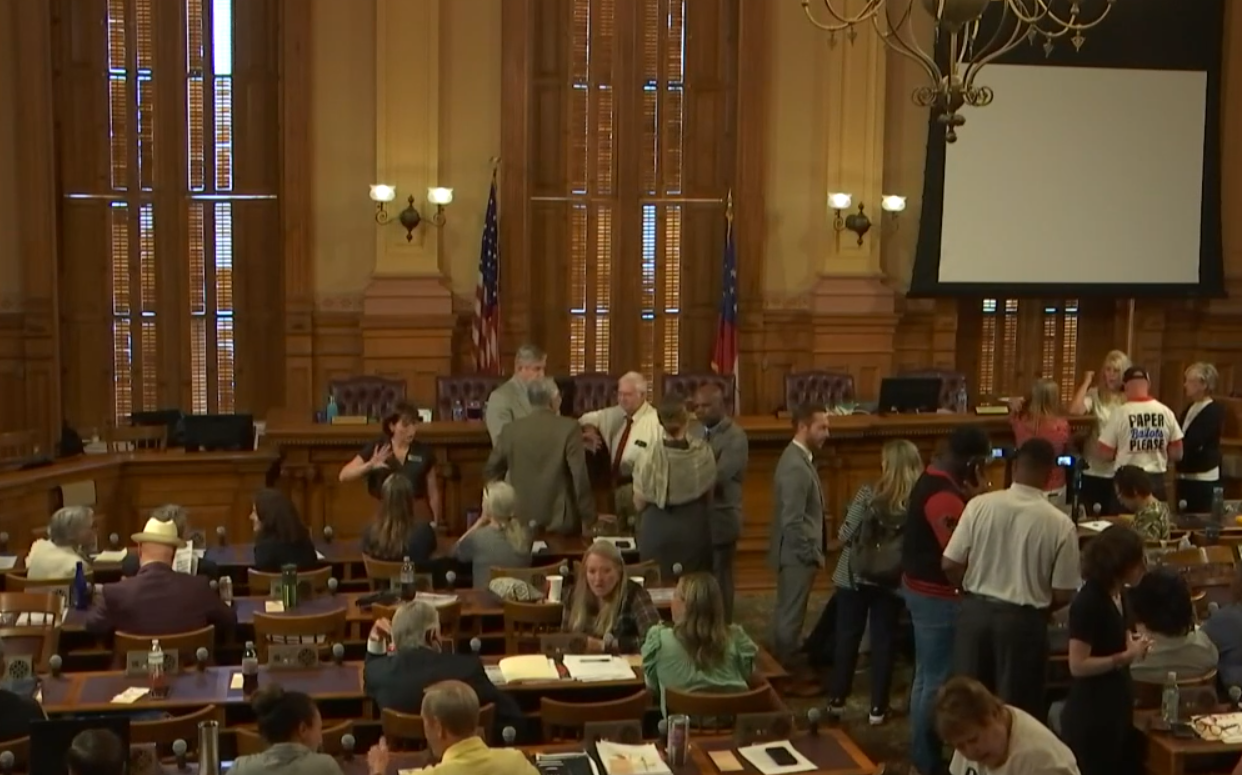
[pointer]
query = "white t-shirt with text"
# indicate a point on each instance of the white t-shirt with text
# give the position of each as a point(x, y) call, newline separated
point(1033, 750)
point(1142, 433)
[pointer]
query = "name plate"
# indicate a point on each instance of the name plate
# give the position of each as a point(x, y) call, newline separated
point(753, 728)
point(292, 657)
point(136, 663)
point(624, 732)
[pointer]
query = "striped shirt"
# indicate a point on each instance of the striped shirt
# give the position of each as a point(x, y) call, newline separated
point(842, 578)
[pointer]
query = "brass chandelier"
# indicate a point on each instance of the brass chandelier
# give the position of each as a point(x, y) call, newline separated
point(970, 40)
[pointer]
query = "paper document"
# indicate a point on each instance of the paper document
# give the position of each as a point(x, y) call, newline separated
point(183, 559)
point(131, 695)
point(529, 667)
point(237, 681)
point(495, 674)
point(319, 555)
point(8, 562)
point(538, 546)
point(116, 555)
point(621, 759)
point(759, 757)
point(435, 599)
point(1098, 525)
point(273, 607)
point(585, 667)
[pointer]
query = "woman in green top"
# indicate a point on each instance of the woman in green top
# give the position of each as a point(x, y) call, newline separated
point(699, 651)
point(1151, 516)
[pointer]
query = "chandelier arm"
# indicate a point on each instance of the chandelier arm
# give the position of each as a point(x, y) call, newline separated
point(911, 49)
point(1072, 24)
point(995, 48)
point(843, 21)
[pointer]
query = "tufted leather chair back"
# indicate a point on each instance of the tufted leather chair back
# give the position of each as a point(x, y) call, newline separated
point(686, 384)
point(819, 388)
point(368, 396)
point(466, 388)
point(950, 382)
point(593, 390)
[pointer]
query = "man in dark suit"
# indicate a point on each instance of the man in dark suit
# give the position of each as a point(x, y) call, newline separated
point(732, 449)
point(158, 600)
point(406, 656)
point(544, 459)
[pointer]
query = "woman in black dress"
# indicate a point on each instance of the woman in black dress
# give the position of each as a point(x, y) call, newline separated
point(398, 452)
point(1099, 712)
point(280, 538)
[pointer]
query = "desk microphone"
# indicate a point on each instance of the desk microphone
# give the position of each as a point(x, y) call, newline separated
point(114, 541)
point(563, 570)
point(450, 578)
point(333, 585)
point(662, 733)
point(201, 657)
point(338, 653)
point(1097, 508)
point(1213, 608)
point(55, 664)
point(179, 748)
point(1235, 694)
point(509, 735)
point(610, 643)
point(6, 762)
point(215, 585)
point(328, 533)
point(347, 746)
point(812, 718)
point(677, 569)
point(220, 535)
point(476, 646)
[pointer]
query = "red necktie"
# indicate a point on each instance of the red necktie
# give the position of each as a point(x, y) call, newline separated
point(620, 450)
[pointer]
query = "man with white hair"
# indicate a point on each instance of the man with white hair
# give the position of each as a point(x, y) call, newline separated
point(509, 401)
point(450, 715)
point(407, 655)
point(627, 431)
point(58, 555)
point(544, 459)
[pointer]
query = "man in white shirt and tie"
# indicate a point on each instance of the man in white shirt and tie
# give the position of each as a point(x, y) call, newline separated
point(627, 431)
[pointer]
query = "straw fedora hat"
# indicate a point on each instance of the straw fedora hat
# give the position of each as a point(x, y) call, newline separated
point(157, 532)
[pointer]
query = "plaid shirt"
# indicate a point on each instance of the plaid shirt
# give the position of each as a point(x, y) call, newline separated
point(637, 615)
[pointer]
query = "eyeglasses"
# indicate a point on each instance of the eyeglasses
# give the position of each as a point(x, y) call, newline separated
point(1213, 727)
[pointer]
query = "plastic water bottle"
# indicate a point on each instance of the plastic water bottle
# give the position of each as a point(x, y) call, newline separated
point(407, 579)
point(250, 669)
point(333, 410)
point(1170, 699)
point(962, 402)
point(156, 677)
point(459, 411)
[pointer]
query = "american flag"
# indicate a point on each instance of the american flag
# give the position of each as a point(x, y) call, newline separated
point(724, 355)
point(486, 332)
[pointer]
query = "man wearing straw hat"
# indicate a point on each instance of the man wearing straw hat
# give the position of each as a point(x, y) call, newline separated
point(158, 600)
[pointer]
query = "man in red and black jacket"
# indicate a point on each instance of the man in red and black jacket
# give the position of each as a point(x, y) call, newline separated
point(936, 503)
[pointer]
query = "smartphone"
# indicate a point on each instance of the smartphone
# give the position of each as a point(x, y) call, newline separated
point(1065, 460)
point(780, 756)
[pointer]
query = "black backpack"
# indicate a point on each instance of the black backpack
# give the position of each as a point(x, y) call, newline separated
point(875, 549)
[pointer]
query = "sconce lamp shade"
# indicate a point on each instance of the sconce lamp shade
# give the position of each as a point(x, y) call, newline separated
point(893, 204)
point(381, 192)
point(440, 196)
point(840, 201)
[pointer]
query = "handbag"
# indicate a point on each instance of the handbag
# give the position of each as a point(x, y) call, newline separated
point(875, 550)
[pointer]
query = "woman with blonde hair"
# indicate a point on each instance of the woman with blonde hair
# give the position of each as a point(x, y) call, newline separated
point(1198, 472)
point(867, 575)
point(1100, 401)
point(1040, 416)
point(699, 651)
point(398, 533)
point(497, 539)
point(612, 610)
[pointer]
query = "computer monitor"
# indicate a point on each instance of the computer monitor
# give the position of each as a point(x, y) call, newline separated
point(50, 740)
point(219, 432)
point(909, 395)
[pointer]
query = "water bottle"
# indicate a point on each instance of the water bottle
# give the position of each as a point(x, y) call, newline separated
point(333, 410)
point(209, 747)
point(1170, 699)
point(962, 402)
point(157, 679)
point(289, 586)
point(407, 579)
point(459, 410)
point(79, 593)
point(226, 590)
point(250, 669)
point(1218, 506)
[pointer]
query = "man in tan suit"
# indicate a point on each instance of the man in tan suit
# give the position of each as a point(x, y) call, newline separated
point(543, 456)
point(509, 402)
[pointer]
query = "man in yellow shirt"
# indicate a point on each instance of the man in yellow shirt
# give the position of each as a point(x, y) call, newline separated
point(451, 722)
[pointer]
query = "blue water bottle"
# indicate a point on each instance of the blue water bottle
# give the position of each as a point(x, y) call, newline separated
point(332, 410)
point(81, 594)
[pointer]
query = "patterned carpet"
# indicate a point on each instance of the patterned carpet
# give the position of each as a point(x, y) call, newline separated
point(887, 743)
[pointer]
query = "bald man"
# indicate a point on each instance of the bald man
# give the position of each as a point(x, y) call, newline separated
point(626, 430)
point(732, 449)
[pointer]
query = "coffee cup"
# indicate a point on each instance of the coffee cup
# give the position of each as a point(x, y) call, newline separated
point(555, 584)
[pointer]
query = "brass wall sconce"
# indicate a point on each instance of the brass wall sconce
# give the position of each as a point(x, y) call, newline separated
point(858, 222)
point(410, 217)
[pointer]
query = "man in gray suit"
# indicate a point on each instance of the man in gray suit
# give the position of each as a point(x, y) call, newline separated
point(732, 449)
point(544, 458)
point(796, 551)
point(509, 401)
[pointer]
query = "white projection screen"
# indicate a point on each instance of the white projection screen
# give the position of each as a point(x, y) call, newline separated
point(1077, 175)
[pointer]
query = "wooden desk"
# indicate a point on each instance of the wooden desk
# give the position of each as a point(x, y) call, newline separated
point(312, 456)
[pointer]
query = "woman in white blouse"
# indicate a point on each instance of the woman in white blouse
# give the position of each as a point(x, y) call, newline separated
point(1198, 472)
point(1099, 400)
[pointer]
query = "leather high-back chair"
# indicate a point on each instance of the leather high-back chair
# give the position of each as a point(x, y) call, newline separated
point(950, 383)
point(592, 391)
point(819, 388)
point(367, 396)
point(685, 384)
point(466, 388)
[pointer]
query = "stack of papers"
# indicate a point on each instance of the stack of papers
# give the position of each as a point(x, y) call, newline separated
point(530, 667)
point(116, 555)
point(1098, 525)
point(621, 759)
point(598, 668)
point(759, 757)
point(434, 599)
point(131, 695)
